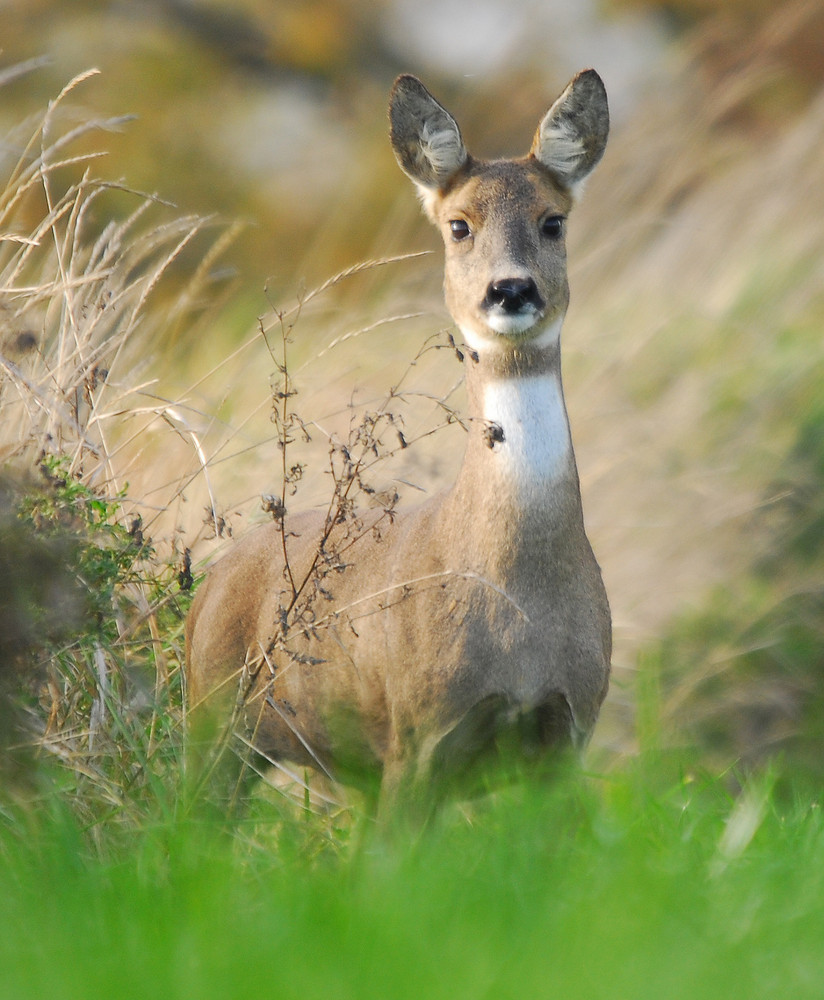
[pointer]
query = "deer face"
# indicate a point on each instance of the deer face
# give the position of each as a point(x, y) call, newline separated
point(503, 222)
point(503, 226)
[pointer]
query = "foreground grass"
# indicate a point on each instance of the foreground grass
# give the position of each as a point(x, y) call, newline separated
point(605, 888)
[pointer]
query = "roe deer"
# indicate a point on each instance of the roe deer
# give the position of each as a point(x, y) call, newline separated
point(475, 626)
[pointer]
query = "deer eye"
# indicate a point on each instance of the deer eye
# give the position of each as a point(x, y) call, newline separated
point(460, 229)
point(553, 227)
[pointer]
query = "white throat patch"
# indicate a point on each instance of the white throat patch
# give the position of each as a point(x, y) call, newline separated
point(536, 445)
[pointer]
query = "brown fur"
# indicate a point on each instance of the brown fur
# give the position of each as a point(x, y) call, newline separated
point(477, 621)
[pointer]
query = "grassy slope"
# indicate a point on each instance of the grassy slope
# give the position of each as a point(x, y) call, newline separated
point(638, 883)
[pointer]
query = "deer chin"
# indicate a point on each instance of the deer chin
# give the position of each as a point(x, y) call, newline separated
point(502, 332)
point(513, 324)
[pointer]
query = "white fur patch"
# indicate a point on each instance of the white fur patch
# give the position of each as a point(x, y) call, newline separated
point(507, 328)
point(560, 150)
point(510, 325)
point(531, 412)
point(561, 147)
point(442, 149)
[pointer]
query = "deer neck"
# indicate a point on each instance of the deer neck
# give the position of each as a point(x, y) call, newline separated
point(519, 434)
point(517, 494)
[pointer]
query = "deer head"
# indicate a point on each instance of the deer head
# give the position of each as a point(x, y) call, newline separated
point(503, 221)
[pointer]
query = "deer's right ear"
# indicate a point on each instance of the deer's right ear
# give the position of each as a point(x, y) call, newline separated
point(425, 137)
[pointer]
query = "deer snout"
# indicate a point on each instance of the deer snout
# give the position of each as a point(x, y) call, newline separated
point(512, 296)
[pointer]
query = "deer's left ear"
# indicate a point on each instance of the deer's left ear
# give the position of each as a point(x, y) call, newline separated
point(572, 137)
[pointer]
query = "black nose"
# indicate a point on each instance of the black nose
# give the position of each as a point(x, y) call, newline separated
point(513, 295)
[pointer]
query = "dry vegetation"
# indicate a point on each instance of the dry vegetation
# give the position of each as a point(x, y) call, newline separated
point(115, 489)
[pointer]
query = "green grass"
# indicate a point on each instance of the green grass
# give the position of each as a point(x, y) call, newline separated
point(619, 887)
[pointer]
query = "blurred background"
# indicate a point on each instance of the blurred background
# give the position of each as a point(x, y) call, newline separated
point(268, 111)
point(693, 350)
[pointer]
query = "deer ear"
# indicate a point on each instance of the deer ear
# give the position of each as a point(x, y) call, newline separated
point(572, 137)
point(425, 138)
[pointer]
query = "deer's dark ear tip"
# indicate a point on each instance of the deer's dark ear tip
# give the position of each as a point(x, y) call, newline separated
point(406, 83)
point(591, 80)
